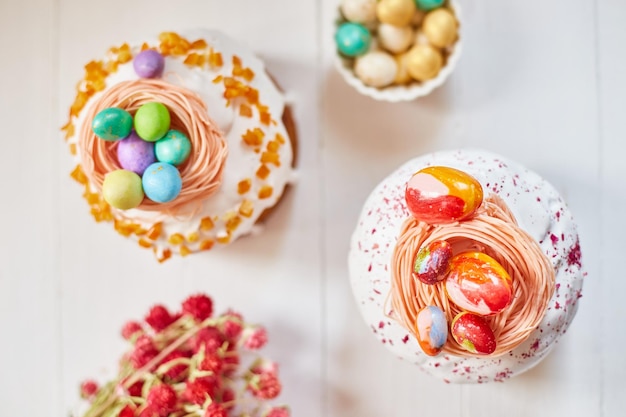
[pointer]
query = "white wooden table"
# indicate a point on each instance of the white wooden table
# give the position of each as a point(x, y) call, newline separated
point(542, 84)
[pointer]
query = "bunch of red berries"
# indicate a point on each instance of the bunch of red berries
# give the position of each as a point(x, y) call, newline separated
point(189, 364)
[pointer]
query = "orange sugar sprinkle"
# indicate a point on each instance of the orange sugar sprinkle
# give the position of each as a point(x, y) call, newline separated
point(246, 208)
point(155, 231)
point(184, 251)
point(236, 61)
point(265, 192)
point(252, 95)
point(144, 46)
point(192, 59)
point(215, 59)
point(124, 55)
point(232, 221)
point(245, 110)
point(263, 172)
point(248, 74)
point(73, 148)
point(176, 239)
point(167, 254)
point(144, 243)
point(253, 137)
point(270, 158)
point(193, 237)
point(273, 146)
point(198, 44)
point(78, 175)
point(244, 186)
point(217, 79)
point(206, 224)
point(140, 231)
point(92, 198)
point(265, 118)
point(224, 239)
point(280, 139)
point(206, 244)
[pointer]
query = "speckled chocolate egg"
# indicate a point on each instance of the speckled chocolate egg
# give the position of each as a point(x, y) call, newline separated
point(432, 262)
point(473, 333)
point(440, 27)
point(395, 12)
point(424, 62)
point(376, 69)
point(359, 11)
point(395, 39)
point(402, 74)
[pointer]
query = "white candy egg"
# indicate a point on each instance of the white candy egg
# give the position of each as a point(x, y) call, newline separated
point(376, 69)
point(395, 39)
point(359, 11)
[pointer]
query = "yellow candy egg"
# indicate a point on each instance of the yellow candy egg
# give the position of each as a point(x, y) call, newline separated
point(395, 39)
point(440, 27)
point(402, 74)
point(424, 62)
point(396, 12)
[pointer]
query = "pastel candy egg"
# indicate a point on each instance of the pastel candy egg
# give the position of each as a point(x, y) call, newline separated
point(440, 194)
point(161, 182)
point(359, 11)
point(174, 148)
point(152, 121)
point(396, 12)
point(395, 39)
point(112, 124)
point(432, 262)
point(478, 283)
point(135, 154)
point(432, 330)
point(424, 62)
point(376, 69)
point(473, 333)
point(429, 4)
point(353, 39)
point(440, 27)
point(122, 189)
point(149, 64)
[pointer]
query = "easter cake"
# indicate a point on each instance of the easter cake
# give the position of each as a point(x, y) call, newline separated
point(397, 49)
point(188, 363)
point(182, 142)
point(466, 264)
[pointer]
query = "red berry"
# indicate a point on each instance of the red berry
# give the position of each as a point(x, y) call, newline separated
point(127, 411)
point(135, 389)
point(144, 352)
point(256, 339)
point(209, 337)
point(233, 325)
point(215, 410)
point(159, 318)
point(228, 397)
point(267, 386)
point(199, 306)
point(211, 362)
point(277, 412)
point(176, 371)
point(231, 360)
point(88, 389)
point(198, 390)
point(130, 329)
point(161, 399)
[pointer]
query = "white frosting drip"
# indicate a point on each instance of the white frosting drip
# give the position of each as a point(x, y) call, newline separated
point(539, 210)
point(242, 161)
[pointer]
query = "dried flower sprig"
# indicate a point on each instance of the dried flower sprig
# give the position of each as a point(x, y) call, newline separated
point(189, 364)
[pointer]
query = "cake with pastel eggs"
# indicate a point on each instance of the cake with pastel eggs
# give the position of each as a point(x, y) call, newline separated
point(181, 142)
point(466, 264)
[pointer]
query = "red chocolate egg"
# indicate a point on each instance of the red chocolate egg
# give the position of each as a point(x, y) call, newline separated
point(472, 332)
point(432, 262)
point(478, 283)
point(440, 194)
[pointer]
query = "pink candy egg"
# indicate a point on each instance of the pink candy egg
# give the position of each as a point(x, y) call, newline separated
point(440, 194)
point(473, 333)
point(478, 283)
point(432, 262)
point(432, 330)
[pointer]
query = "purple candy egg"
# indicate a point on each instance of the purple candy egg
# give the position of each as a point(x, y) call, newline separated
point(149, 64)
point(135, 154)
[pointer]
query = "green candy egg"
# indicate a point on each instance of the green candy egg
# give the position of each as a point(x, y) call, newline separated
point(174, 148)
point(152, 121)
point(112, 124)
point(122, 189)
point(429, 4)
point(353, 39)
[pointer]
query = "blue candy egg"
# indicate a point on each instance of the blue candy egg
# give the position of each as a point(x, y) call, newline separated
point(429, 4)
point(174, 148)
point(432, 329)
point(161, 182)
point(112, 124)
point(353, 39)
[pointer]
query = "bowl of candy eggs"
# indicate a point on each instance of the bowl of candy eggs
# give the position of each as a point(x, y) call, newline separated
point(397, 50)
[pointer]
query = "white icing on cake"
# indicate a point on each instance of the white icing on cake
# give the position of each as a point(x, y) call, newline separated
point(539, 210)
point(242, 162)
